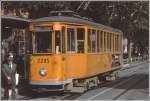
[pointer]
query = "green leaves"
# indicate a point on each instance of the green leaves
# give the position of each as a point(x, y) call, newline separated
point(129, 16)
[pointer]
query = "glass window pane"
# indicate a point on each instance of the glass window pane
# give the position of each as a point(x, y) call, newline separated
point(117, 42)
point(98, 41)
point(63, 40)
point(110, 41)
point(101, 41)
point(57, 42)
point(80, 39)
point(105, 41)
point(113, 42)
point(71, 40)
point(93, 40)
point(80, 33)
point(43, 42)
point(89, 41)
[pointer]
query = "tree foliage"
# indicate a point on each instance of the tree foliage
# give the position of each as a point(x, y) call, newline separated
point(129, 16)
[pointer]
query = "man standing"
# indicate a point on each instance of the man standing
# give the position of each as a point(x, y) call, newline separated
point(9, 71)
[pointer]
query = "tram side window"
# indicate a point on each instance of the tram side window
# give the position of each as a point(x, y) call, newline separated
point(101, 41)
point(117, 42)
point(110, 41)
point(98, 41)
point(112, 45)
point(57, 42)
point(89, 41)
point(71, 40)
point(113, 42)
point(93, 40)
point(105, 41)
point(63, 40)
point(80, 40)
point(43, 42)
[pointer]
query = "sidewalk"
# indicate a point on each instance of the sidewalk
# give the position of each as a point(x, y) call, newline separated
point(126, 66)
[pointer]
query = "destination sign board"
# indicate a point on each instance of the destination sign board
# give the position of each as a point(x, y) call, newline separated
point(42, 28)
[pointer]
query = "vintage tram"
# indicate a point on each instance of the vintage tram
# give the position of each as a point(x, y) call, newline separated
point(72, 53)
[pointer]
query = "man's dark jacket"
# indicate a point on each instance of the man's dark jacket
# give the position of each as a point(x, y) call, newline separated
point(7, 71)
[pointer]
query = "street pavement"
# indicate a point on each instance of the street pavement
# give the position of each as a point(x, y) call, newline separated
point(132, 84)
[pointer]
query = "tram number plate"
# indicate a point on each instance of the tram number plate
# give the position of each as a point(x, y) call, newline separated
point(42, 60)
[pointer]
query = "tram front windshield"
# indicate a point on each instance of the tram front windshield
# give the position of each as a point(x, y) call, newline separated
point(43, 42)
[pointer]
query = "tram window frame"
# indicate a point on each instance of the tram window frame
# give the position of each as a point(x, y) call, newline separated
point(105, 43)
point(98, 41)
point(58, 41)
point(113, 42)
point(89, 41)
point(69, 50)
point(120, 42)
point(63, 42)
point(117, 42)
point(94, 40)
point(110, 41)
point(35, 51)
point(82, 40)
point(101, 41)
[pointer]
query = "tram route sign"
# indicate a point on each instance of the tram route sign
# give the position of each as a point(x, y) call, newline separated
point(42, 28)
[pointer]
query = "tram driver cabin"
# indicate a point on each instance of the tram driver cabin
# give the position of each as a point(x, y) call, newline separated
point(72, 52)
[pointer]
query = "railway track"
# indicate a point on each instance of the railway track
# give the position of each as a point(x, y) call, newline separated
point(130, 87)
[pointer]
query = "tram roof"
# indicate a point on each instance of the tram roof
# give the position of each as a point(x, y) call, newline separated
point(14, 22)
point(74, 20)
point(15, 18)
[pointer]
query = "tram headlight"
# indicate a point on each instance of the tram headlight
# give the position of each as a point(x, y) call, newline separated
point(43, 72)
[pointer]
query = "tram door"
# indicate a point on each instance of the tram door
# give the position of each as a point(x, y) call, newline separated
point(20, 50)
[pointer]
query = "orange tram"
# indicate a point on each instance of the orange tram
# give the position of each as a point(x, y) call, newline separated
point(73, 54)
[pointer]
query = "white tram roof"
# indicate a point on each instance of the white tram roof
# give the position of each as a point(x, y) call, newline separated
point(74, 20)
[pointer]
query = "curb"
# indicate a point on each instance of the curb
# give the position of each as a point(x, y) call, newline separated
point(127, 66)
